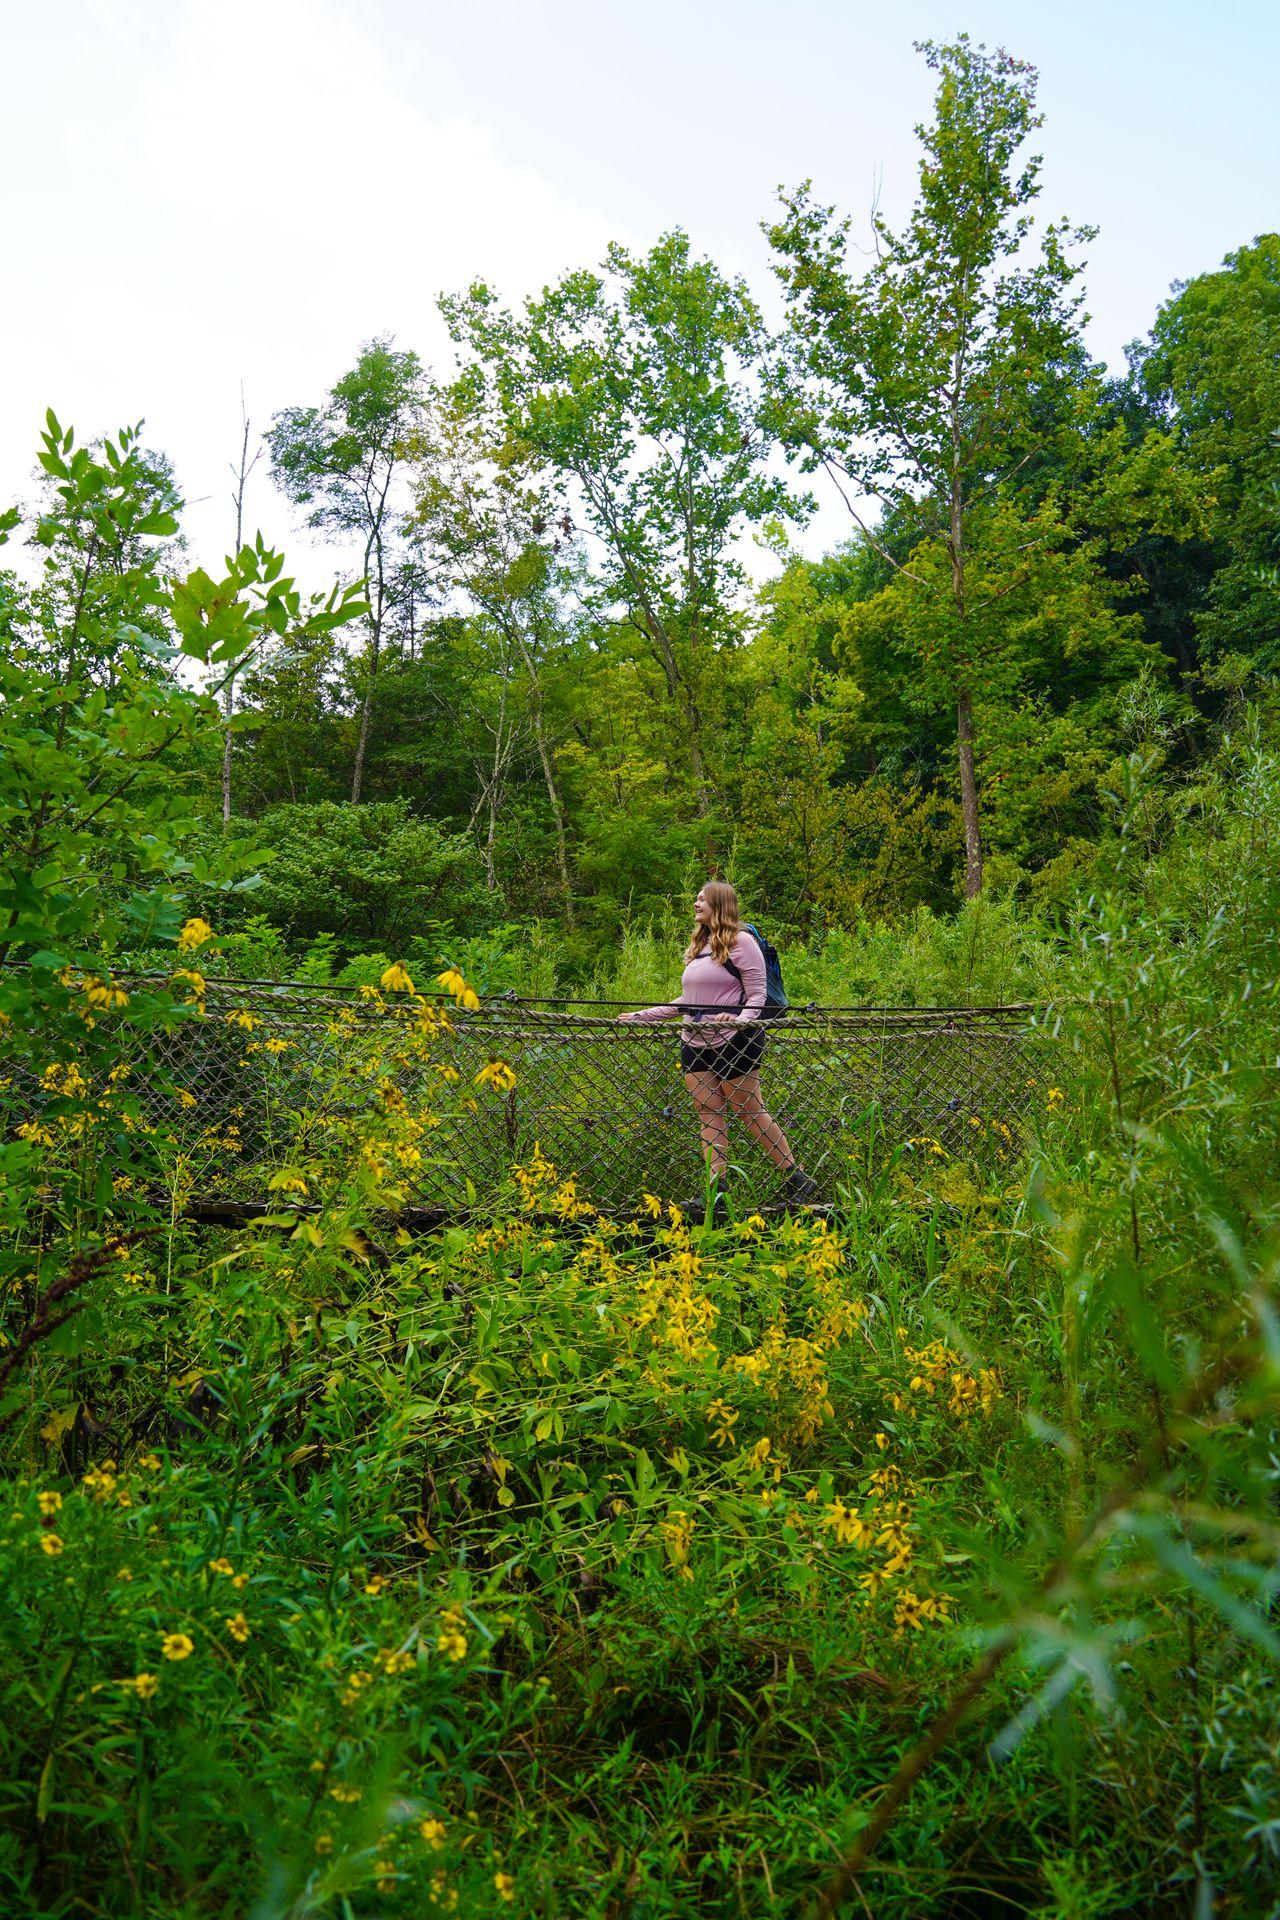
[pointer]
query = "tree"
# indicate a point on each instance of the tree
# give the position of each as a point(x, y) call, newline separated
point(240, 473)
point(641, 385)
point(344, 462)
point(97, 837)
point(495, 536)
point(1211, 369)
point(914, 384)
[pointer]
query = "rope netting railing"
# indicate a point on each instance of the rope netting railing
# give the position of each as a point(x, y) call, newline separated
point(240, 1082)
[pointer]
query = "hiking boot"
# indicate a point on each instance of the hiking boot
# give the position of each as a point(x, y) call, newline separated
point(799, 1189)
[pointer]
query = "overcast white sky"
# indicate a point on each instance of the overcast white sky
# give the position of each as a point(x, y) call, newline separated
point(205, 192)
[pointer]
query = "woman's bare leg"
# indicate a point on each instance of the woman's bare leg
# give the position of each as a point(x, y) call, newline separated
point(707, 1095)
point(745, 1102)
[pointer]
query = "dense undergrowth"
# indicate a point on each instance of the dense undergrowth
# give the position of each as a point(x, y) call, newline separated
point(918, 1560)
point(560, 1564)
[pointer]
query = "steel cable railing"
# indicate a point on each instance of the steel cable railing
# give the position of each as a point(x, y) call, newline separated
point(603, 1101)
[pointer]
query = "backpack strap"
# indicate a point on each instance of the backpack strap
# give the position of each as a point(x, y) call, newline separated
point(737, 971)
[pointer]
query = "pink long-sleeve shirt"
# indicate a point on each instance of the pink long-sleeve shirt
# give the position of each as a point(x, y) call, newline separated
point(708, 987)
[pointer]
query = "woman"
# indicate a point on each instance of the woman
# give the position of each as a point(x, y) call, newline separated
point(722, 1040)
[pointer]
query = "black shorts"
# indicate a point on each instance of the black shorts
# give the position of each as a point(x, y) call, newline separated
point(740, 1053)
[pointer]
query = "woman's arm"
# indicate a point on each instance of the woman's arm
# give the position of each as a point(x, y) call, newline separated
point(668, 1012)
point(749, 961)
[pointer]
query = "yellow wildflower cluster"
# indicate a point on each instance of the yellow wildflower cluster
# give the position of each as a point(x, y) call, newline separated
point(911, 1611)
point(65, 1081)
point(395, 1660)
point(100, 1483)
point(497, 1075)
point(192, 982)
point(453, 983)
point(355, 1687)
point(103, 995)
point(848, 1525)
point(673, 1302)
point(938, 1372)
point(677, 1534)
point(536, 1181)
point(720, 1423)
point(194, 934)
point(452, 1641)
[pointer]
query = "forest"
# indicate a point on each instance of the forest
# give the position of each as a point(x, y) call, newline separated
point(912, 1554)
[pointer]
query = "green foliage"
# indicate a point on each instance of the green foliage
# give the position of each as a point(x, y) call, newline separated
point(362, 874)
point(695, 1529)
point(1210, 366)
point(920, 1559)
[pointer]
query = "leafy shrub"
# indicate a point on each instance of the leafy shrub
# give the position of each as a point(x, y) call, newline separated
point(368, 875)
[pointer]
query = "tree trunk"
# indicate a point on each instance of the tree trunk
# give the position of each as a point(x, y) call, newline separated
point(969, 796)
point(241, 473)
point(226, 755)
point(366, 720)
point(557, 810)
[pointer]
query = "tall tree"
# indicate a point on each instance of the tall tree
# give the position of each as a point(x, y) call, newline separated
point(641, 384)
point(495, 537)
point(915, 383)
point(345, 462)
point(1212, 368)
point(240, 473)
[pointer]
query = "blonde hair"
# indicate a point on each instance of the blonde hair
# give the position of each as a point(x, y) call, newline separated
point(725, 926)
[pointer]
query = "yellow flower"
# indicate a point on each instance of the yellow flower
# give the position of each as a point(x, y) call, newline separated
point(882, 1441)
point(100, 1484)
point(386, 1872)
point(497, 1075)
point(812, 1497)
point(189, 977)
point(374, 1584)
point(240, 1581)
point(241, 1017)
point(677, 1532)
point(720, 1421)
point(194, 934)
point(452, 1640)
point(324, 1843)
point(145, 1685)
point(453, 983)
point(49, 1503)
point(102, 995)
point(396, 980)
point(221, 1565)
point(505, 1885)
point(433, 1832)
point(177, 1646)
point(238, 1627)
point(50, 1543)
point(345, 1796)
point(848, 1525)
point(288, 1180)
